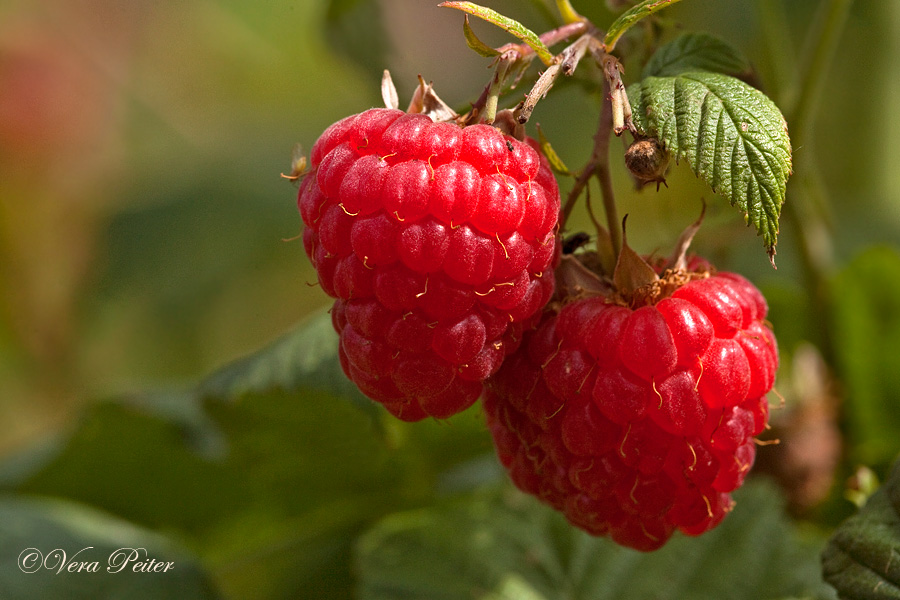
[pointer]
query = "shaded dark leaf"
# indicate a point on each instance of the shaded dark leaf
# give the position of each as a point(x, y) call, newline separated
point(862, 560)
point(40, 539)
point(505, 545)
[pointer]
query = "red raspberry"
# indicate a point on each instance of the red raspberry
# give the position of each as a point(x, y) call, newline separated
point(437, 242)
point(636, 420)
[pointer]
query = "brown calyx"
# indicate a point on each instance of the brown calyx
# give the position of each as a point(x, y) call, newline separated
point(579, 276)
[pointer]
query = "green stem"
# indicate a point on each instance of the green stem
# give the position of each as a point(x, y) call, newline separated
point(495, 88)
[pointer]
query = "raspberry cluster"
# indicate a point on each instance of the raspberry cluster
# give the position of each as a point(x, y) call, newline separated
point(630, 403)
point(638, 418)
point(438, 243)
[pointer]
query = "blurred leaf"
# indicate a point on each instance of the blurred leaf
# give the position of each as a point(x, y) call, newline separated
point(860, 560)
point(322, 467)
point(355, 29)
point(269, 467)
point(122, 455)
point(556, 163)
point(507, 545)
point(627, 19)
point(568, 12)
point(731, 135)
point(696, 52)
point(16, 468)
point(790, 311)
point(866, 313)
point(303, 359)
point(35, 532)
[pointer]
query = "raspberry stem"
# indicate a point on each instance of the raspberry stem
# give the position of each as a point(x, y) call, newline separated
point(598, 165)
point(495, 87)
point(563, 64)
point(601, 150)
point(516, 58)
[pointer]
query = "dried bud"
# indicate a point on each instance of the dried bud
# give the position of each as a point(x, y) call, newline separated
point(647, 160)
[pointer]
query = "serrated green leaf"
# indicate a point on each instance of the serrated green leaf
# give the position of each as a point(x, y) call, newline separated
point(731, 134)
point(865, 297)
point(507, 545)
point(862, 558)
point(35, 532)
point(696, 52)
point(507, 24)
point(627, 19)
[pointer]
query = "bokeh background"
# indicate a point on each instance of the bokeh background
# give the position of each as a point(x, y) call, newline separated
point(147, 239)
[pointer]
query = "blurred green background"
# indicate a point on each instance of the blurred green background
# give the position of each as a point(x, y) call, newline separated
point(147, 239)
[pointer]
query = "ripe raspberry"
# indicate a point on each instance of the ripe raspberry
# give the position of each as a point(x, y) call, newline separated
point(638, 418)
point(437, 242)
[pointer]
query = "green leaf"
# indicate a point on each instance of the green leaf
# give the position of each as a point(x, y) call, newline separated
point(568, 12)
point(556, 163)
point(861, 559)
point(866, 326)
point(507, 545)
point(731, 134)
point(301, 360)
point(122, 454)
point(696, 52)
point(34, 534)
point(268, 467)
point(473, 42)
point(627, 19)
point(507, 24)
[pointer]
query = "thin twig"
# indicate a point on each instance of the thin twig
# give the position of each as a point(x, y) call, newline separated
point(598, 165)
point(601, 156)
point(514, 58)
point(564, 64)
point(550, 38)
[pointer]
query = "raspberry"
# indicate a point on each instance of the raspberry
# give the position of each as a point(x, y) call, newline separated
point(637, 418)
point(438, 243)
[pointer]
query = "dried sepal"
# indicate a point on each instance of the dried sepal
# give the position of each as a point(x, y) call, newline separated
point(632, 271)
point(679, 255)
point(389, 91)
point(426, 101)
point(575, 280)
